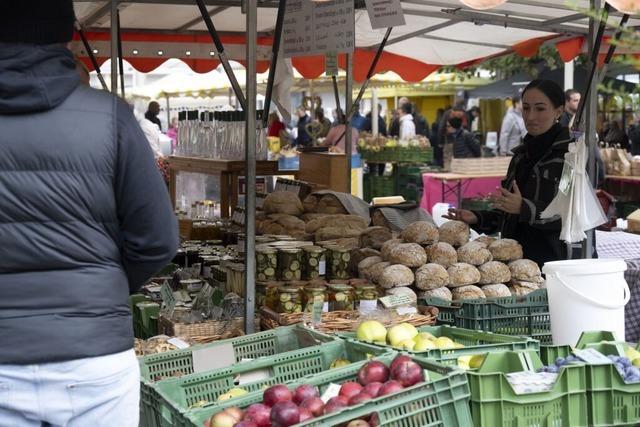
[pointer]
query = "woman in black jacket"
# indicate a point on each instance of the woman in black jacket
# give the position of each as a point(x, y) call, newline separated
point(465, 144)
point(532, 179)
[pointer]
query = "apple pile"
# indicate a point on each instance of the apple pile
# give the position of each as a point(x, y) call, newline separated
point(281, 407)
point(403, 336)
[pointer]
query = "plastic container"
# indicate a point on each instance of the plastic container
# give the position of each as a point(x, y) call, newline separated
point(495, 404)
point(442, 400)
point(586, 295)
point(341, 297)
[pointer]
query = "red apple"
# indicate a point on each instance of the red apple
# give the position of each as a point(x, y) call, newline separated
point(358, 423)
point(303, 392)
point(207, 423)
point(305, 414)
point(335, 404)
point(315, 405)
point(246, 424)
point(374, 371)
point(259, 414)
point(399, 359)
point(235, 412)
point(350, 389)
point(360, 398)
point(285, 414)
point(391, 386)
point(372, 389)
point(407, 372)
point(374, 420)
point(275, 394)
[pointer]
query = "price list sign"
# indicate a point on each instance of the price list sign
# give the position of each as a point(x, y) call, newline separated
point(312, 28)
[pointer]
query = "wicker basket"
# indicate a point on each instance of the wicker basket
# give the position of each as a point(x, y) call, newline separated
point(208, 328)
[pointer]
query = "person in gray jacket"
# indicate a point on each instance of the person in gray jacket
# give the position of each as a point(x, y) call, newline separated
point(513, 129)
point(85, 220)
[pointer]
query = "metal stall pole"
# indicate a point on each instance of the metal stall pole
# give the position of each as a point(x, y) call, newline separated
point(348, 107)
point(250, 166)
point(120, 57)
point(337, 96)
point(92, 57)
point(168, 113)
point(114, 47)
point(275, 51)
point(374, 112)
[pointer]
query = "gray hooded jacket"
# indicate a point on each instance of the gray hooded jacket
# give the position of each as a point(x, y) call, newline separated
point(85, 217)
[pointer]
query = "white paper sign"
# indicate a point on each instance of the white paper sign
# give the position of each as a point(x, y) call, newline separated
point(331, 64)
point(385, 13)
point(178, 343)
point(312, 28)
point(210, 358)
point(592, 356)
point(254, 376)
point(332, 391)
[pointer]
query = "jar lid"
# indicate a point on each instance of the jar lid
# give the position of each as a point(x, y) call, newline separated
point(266, 250)
point(340, 287)
point(297, 283)
point(314, 249)
point(290, 250)
point(290, 289)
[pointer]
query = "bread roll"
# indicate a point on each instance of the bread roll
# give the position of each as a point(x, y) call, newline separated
point(350, 221)
point(358, 255)
point(379, 220)
point(461, 274)
point(505, 250)
point(525, 269)
point(310, 204)
point(374, 272)
point(385, 250)
point(442, 253)
point(284, 202)
point(467, 292)
point(524, 284)
point(330, 233)
point(496, 290)
point(431, 276)
point(520, 291)
point(494, 272)
point(330, 204)
point(442, 293)
point(421, 232)
point(408, 254)
point(485, 240)
point(474, 253)
point(455, 233)
point(366, 263)
point(403, 290)
point(395, 276)
point(374, 237)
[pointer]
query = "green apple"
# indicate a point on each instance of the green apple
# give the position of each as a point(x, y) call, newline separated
point(338, 363)
point(444, 343)
point(399, 333)
point(424, 336)
point(423, 344)
point(371, 331)
point(408, 345)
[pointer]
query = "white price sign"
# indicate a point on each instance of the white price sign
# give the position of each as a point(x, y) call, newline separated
point(385, 13)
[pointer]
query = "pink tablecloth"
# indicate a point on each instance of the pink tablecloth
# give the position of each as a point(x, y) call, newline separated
point(471, 187)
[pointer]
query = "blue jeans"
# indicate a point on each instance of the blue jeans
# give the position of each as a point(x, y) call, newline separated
point(95, 391)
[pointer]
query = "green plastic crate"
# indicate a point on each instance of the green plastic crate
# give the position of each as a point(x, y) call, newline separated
point(379, 186)
point(148, 314)
point(610, 401)
point(476, 204)
point(442, 400)
point(474, 342)
point(133, 300)
point(162, 366)
point(446, 310)
point(495, 404)
point(178, 396)
point(414, 154)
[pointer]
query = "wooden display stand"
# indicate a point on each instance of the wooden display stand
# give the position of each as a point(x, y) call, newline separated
point(229, 172)
point(325, 169)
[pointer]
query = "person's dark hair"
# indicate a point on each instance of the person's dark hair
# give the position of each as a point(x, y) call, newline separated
point(515, 99)
point(319, 114)
point(455, 122)
point(407, 108)
point(550, 89)
point(569, 93)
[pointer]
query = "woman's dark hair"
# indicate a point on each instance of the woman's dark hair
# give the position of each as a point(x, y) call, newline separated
point(407, 108)
point(550, 89)
point(319, 114)
point(455, 122)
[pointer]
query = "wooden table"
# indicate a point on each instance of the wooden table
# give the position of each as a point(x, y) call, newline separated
point(228, 170)
point(328, 170)
point(458, 180)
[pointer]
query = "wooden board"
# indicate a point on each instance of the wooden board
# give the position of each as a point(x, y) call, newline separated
point(324, 169)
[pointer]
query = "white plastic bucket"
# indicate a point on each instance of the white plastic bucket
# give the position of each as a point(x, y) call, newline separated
point(586, 295)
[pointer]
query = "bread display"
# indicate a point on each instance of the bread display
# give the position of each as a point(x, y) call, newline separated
point(374, 272)
point(329, 204)
point(431, 276)
point(366, 263)
point(310, 204)
point(408, 254)
point(358, 255)
point(349, 221)
point(374, 237)
point(455, 233)
point(395, 276)
point(505, 250)
point(421, 232)
point(442, 293)
point(330, 233)
point(461, 274)
point(379, 220)
point(442, 253)
point(284, 202)
point(403, 290)
point(385, 250)
point(485, 240)
point(494, 272)
point(467, 292)
point(496, 290)
point(525, 269)
point(474, 253)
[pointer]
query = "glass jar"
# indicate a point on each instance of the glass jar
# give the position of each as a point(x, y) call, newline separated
point(267, 294)
point(366, 297)
point(290, 264)
point(314, 294)
point(314, 262)
point(266, 264)
point(341, 298)
point(338, 263)
point(290, 300)
point(191, 285)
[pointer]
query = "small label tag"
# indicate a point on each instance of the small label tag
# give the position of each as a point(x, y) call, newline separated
point(592, 356)
point(322, 268)
point(325, 307)
point(566, 181)
point(332, 391)
point(367, 306)
point(178, 343)
point(391, 301)
point(254, 376)
point(168, 300)
point(331, 64)
point(210, 358)
point(406, 310)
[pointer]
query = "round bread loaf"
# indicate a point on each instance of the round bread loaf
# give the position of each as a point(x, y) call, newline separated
point(385, 250)
point(474, 253)
point(421, 232)
point(374, 272)
point(442, 253)
point(409, 254)
point(403, 290)
point(431, 276)
point(519, 291)
point(284, 202)
point(524, 269)
point(524, 284)
point(505, 250)
point(442, 293)
point(374, 237)
point(358, 255)
point(366, 263)
point(455, 233)
point(496, 290)
point(494, 272)
point(485, 240)
point(467, 292)
point(395, 276)
point(461, 274)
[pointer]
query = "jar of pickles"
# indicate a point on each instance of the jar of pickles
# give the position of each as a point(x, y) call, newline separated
point(266, 263)
point(314, 262)
point(341, 297)
point(338, 262)
point(290, 263)
point(316, 294)
point(366, 297)
point(290, 300)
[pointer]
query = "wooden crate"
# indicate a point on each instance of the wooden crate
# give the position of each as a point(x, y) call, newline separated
point(481, 166)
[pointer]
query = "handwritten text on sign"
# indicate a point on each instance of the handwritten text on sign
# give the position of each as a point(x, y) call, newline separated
point(385, 13)
point(312, 28)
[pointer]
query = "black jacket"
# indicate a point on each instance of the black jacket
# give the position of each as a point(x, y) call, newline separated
point(540, 238)
point(465, 144)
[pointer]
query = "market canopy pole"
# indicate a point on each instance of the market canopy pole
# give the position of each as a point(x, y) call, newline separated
point(349, 106)
point(120, 57)
point(114, 47)
point(336, 93)
point(92, 57)
point(274, 60)
point(223, 56)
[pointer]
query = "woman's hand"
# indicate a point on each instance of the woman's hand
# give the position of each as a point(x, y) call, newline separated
point(508, 201)
point(463, 215)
